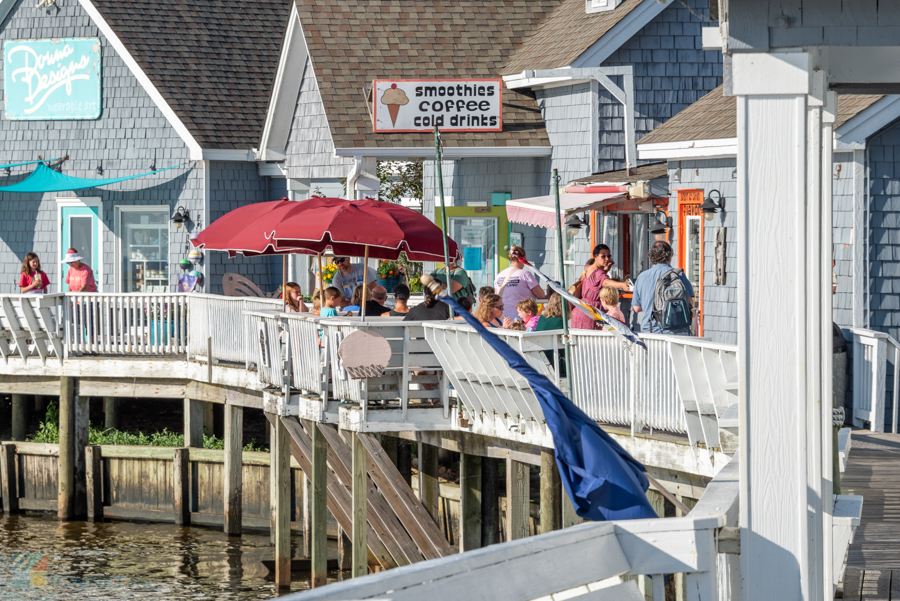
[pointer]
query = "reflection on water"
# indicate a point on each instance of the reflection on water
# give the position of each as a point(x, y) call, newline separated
point(41, 558)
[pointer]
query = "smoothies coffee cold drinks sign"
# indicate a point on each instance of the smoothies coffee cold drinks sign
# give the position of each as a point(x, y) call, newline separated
point(402, 105)
point(52, 79)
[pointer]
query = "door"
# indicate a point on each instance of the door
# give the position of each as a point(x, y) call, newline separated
point(477, 241)
point(690, 247)
point(80, 229)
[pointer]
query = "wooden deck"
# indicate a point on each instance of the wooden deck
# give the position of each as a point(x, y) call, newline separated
point(873, 562)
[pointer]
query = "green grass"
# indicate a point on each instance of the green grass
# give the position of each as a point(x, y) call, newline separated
point(48, 432)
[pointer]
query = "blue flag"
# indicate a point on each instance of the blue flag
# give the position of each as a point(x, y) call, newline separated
point(602, 479)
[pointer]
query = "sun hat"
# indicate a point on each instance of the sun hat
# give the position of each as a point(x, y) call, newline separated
point(71, 257)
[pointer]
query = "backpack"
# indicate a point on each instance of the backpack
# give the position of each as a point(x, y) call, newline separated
point(672, 303)
point(467, 291)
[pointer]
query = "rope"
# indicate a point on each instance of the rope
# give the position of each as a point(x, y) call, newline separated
point(837, 417)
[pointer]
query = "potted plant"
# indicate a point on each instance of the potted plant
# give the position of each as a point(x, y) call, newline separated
point(389, 274)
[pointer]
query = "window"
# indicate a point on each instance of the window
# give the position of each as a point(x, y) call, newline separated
point(143, 253)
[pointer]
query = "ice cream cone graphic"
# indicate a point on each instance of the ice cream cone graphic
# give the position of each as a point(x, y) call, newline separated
point(394, 98)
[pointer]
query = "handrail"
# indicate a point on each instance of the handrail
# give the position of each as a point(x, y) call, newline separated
point(870, 359)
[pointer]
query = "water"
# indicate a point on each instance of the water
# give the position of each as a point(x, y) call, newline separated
point(121, 560)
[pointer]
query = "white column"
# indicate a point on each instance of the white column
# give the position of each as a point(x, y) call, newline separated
point(780, 325)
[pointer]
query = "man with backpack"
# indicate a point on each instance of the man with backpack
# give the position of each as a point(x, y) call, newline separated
point(663, 295)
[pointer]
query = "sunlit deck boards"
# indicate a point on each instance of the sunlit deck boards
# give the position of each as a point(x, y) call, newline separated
point(873, 563)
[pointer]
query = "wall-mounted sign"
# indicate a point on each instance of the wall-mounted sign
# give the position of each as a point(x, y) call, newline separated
point(406, 105)
point(52, 79)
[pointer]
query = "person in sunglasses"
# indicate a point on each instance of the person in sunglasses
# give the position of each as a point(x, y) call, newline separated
point(490, 312)
point(349, 276)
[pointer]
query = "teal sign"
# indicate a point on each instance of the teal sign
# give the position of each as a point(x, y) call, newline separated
point(52, 79)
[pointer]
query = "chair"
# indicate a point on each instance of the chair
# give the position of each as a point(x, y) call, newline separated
point(237, 285)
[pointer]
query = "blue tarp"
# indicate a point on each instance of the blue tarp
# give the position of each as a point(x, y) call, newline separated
point(45, 179)
point(602, 479)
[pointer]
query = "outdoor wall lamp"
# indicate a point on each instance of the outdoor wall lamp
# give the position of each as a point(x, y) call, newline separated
point(659, 224)
point(180, 217)
point(574, 225)
point(710, 207)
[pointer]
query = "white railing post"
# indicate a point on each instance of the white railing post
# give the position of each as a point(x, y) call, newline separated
point(879, 380)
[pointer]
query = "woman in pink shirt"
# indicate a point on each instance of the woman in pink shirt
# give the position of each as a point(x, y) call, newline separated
point(80, 276)
point(33, 280)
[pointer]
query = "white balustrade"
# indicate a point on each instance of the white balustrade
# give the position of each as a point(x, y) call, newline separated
point(872, 352)
point(267, 339)
point(29, 325)
point(223, 322)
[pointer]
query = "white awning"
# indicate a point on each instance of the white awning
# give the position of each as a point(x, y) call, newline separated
point(540, 211)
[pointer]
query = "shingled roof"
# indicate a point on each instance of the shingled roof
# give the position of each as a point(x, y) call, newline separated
point(715, 116)
point(352, 43)
point(565, 36)
point(213, 61)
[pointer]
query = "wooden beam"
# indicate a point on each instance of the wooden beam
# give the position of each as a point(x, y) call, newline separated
point(181, 491)
point(490, 501)
point(477, 444)
point(111, 412)
point(66, 462)
point(8, 484)
point(193, 423)
point(19, 416)
point(429, 492)
point(551, 493)
point(517, 499)
point(227, 395)
point(133, 388)
point(234, 434)
point(470, 520)
point(36, 385)
point(318, 508)
point(360, 492)
point(281, 467)
point(93, 463)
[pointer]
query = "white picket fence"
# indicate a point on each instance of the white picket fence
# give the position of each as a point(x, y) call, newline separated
point(224, 324)
point(872, 352)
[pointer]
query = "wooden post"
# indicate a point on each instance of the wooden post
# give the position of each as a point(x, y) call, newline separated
point(8, 484)
point(319, 510)
point(193, 423)
point(209, 420)
point(569, 517)
point(646, 584)
point(271, 426)
point(281, 467)
point(429, 492)
point(551, 493)
point(82, 416)
point(390, 445)
point(360, 525)
point(234, 434)
point(306, 515)
point(470, 520)
point(404, 460)
point(111, 412)
point(19, 417)
point(345, 551)
point(181, 491)
point(93, 464)
point(66, 462)
point(490, 501)
point(680, 590)
point(517, 499)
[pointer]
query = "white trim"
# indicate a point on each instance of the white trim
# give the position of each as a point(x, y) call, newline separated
point(117, 236)
point(450, 152)
point(621, 32)
point(853, 134)
point(207, 213)
point(90, 202)
point(271, 169)
point(131, 63)
point(689, 149)
point(243, 155)
point(286, 91)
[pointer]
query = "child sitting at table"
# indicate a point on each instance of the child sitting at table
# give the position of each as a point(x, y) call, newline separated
point(528, 313)
point(609, 302)
point(333, 298)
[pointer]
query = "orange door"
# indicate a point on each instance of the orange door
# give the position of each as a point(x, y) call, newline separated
point(690, 247)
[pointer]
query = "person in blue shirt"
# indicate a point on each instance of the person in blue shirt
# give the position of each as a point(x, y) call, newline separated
point(645, 286)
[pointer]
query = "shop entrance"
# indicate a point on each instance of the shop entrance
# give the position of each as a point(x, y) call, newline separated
point(690, 247)
point(481, 233)
point(79, 227)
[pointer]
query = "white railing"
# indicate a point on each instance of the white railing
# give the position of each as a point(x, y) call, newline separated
point(31, 324)
point(310, 356)
point(223, 323)
point(134, 324)
point(872, 351)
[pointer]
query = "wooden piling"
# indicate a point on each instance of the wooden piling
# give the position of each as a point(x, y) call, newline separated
point(93, 463)
point(569, 517)
point(273, 477)
point(193, 423)
point(111, 412)
point(19, 417)
point(551, 493)
point(66, 462)
point(404, 460)
point(181, 491)
point(517, 499)
point(234, 434)
point(345, 551)
point(470, 502)
point(305, 516)
point(390, 445)
point(490, 501)
point(360, 487)
point(209, 419)
point(319, 510)
point(429, 492)
point(8, 485)
point(280, 466)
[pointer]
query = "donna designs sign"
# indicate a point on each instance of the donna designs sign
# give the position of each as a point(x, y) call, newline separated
point(52, 79)
point(452, 104)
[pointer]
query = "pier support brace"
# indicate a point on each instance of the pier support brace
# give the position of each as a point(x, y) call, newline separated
point(281, 467)
point(111, 412)
point(193, 423)
point(360, 489)
point(19, 417)
point(234, 435)
point(429, 493)
point(490, 501)
point(470, 502)
point(551, 493)
point(517, 499)
point(318, 508)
